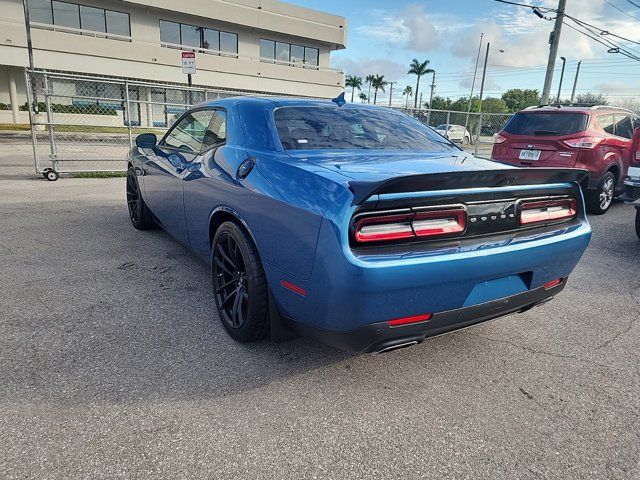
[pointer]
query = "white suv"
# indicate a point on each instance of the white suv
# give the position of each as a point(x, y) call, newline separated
point(455, 133)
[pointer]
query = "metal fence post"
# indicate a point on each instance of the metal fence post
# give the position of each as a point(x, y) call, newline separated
point(128, 112)
point(52, 140)
point(479, 131)
point(448, 120)
point(29, 82)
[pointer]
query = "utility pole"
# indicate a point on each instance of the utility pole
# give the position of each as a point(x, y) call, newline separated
point(564, 62)
point(575, 82)
point(390, 92)
point(420, 101)
point(473, 83)
point(554, 40)
point(433, 87)
point(27, 24)
point(484, 76)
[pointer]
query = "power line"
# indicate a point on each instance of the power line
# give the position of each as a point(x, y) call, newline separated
point(611, 45)
point(525, 5)
point(621, 10)
point(602, 31)
point(633, 3)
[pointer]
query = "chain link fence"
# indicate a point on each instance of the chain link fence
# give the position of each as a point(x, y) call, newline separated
point(88, 124)
point(475, 131)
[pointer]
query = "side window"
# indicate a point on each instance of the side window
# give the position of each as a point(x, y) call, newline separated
point(189, 133)
point(606, 123)
point(217, 131)
point(624, 126)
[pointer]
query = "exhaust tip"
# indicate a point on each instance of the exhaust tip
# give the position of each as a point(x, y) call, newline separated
point(396, 346)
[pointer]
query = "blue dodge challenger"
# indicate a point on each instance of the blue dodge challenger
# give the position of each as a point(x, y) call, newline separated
point(355, 225)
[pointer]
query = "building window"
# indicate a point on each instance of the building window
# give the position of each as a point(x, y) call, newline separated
point(91, 19)
point(282, 52)
point(66, 14)
point(118, 23)
point(181, 34)
point(40, 11)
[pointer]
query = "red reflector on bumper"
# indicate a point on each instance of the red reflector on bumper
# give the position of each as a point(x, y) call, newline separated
point(294, 288)
point(552, 283)
point(409, 320)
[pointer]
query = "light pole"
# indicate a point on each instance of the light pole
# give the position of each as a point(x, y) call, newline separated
point(553, 52)
point(564, 62)
point(473, 83)
point(390, 92)
point(575, 82)
point(433, 87)
point(27, 24)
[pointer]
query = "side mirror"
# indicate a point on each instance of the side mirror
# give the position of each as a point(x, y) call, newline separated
point(146, 140)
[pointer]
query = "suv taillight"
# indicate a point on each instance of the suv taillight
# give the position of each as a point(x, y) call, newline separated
point(583, 142)
point(542, 211)
point(497, 139)
point(421, 224)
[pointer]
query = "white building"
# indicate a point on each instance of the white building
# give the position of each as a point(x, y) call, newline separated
point(262, 46)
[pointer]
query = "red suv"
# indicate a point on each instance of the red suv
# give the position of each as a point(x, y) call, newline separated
point(597, 139)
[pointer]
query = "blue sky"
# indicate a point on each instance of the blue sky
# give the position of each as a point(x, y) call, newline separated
point(383, 37)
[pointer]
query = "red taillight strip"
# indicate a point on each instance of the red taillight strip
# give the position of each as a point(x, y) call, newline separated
point(431, 223)
point(552, 283)
point(293, 288)
point(440, 222)
point(398, 322)
point(386, 227)
point(547, 210)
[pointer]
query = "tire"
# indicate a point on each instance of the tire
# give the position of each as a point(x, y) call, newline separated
point(466, 140)
point(239, 284)
point(139, 214)
point(600, 199)
point(51, 175)
point(638, 222)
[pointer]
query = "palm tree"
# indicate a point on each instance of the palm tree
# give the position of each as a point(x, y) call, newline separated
point(353, 82)
point(418, 68)
point(363, 97)
point(378, 83)
point(369, 79)
point(408, 90)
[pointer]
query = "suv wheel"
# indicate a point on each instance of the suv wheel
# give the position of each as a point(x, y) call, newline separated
point(638, 222)
point(600, 199)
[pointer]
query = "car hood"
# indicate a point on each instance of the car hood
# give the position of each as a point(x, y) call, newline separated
point(370, 166)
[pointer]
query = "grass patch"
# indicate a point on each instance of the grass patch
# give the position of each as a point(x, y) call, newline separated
point(99, 174)
point(4, 127)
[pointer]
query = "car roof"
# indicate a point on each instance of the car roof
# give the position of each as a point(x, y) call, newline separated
point(279, 102)
point(589, 109)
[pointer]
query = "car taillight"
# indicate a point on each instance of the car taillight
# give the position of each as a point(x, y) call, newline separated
point(583, 142)
point(635, 158)
point(497, 138)
point(541, 211)
point(421, 224)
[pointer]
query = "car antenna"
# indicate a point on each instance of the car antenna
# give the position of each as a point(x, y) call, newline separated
point(339, 100)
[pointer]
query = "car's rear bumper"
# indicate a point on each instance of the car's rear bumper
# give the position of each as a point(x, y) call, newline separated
point(379, 337)
point(632, 187)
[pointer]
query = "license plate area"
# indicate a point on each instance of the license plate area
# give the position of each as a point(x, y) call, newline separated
point(529, 155)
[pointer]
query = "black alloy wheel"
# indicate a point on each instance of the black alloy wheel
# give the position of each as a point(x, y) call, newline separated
point(239, 284)
point(139, 213)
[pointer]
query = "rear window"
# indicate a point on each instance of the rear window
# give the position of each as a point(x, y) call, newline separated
point(318, 127)
point(524, 123)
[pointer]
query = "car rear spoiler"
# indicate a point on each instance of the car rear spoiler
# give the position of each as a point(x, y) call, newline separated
point(362, 190)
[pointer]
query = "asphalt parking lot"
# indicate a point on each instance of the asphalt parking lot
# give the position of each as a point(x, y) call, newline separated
point(113, 365)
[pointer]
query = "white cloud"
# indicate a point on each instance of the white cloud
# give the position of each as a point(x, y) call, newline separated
point(362, 67)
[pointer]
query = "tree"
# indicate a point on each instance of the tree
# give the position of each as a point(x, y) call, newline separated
point(369, 79)
point(363, 97)
point(419, 69)
point(519, 99)
point(378, 83)
point(592, 98)
point(353, 82)
point(494, 105)
point(408, 91)
point(441, 103)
